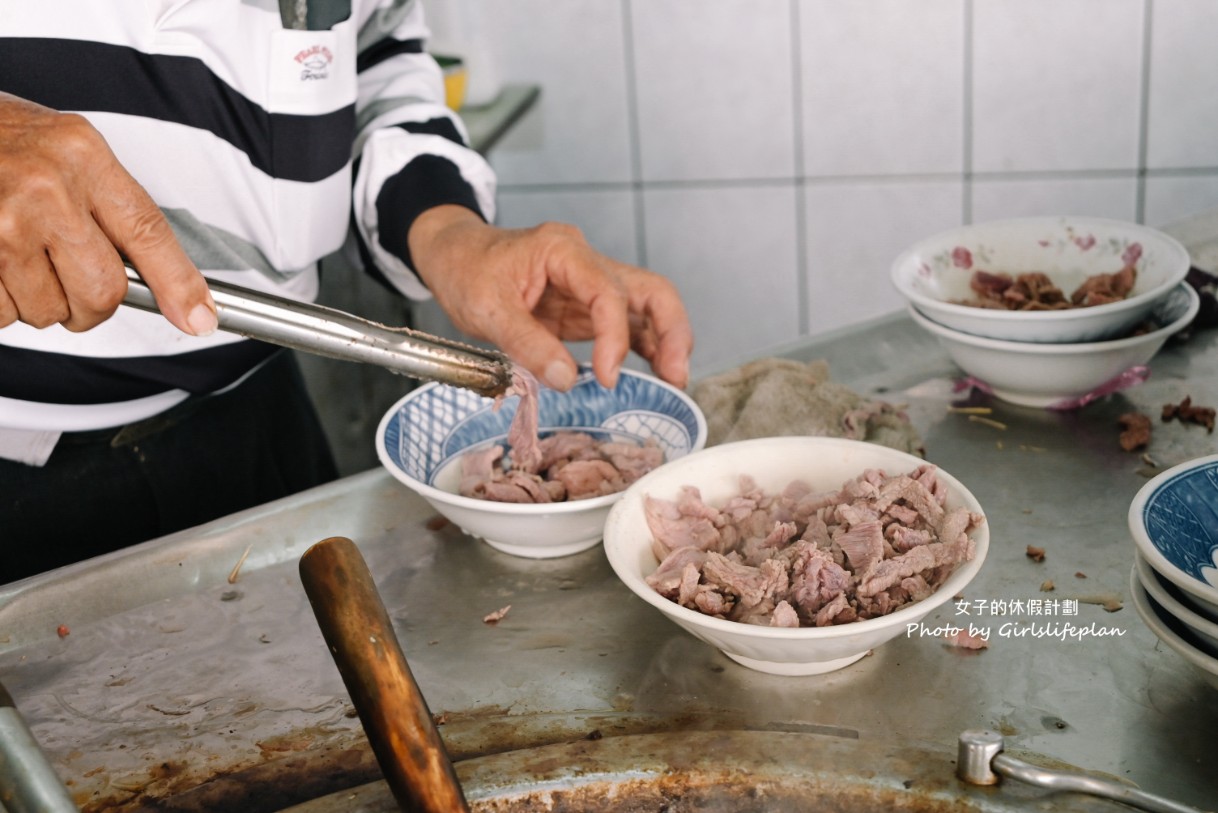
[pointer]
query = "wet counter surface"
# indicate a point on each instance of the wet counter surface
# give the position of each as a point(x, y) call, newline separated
point(155, 679)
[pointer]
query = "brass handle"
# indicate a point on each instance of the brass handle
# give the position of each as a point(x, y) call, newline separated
point(395, 716)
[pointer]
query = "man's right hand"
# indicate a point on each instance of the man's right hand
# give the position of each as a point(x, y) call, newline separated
point(69, 213)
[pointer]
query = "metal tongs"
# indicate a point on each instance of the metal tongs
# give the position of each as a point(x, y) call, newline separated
point(333, 333)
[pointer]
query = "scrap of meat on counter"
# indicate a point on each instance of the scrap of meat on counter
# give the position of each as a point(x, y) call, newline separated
point(808, 558)
point(1135, 431)
point(560, 467)
point(1036, 292)
point(1186, 412)
point(966, 639)
point(496, 616)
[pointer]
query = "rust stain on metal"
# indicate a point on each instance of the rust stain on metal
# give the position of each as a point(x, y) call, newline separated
point(301, 766)
point(288, 779)
point(727, 791)
point(286, 743)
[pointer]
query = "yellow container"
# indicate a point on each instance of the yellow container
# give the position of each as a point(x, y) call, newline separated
point(456, 79)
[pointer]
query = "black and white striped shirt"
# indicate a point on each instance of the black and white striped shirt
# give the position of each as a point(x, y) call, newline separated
point(267, 148)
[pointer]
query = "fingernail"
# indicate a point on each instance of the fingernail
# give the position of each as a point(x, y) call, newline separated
point(559, 376)
point(202, 321)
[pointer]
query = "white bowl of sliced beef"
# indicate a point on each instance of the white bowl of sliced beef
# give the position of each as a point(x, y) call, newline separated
point(534, 473)
point(1041, 279)
point(797, 555)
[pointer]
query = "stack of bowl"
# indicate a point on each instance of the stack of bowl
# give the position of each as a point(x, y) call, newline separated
point(1045, 358)
point(1174, 581)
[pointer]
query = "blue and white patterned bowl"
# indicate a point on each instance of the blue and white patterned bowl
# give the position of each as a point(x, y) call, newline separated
point(1174, 522)
point(421, 439)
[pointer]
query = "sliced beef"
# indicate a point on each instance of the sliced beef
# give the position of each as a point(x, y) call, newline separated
point(877, 544)
point(667, 578)
point(784, 615)
point(563, 447)
point(1103, 288)
point(479, 467)
point(540, 469)
point(522, 433)
point(988, 286)
point(816, 581)
point(863, 544)
point(632, 460)
point(1036, 292)
point(751, 585)
point(837, 611)
point(685, 522)
point(563, 466)
point(589, 478)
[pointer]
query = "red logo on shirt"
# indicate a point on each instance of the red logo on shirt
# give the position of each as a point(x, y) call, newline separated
point(314, 62)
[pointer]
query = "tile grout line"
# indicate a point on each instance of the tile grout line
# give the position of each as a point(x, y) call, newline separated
point(635, 134)
point(728, 183)
point(1144, 113)
point(803, 284)
point(966, 169)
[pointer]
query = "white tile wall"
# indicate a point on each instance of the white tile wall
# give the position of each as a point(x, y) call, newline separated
point(1021, 196)
point(1173, 198)
point(855, 230)
point(881, 86)
point(607, 217)
point(1056, 84)
point(1183, 120)
point(714, 87)
point(731, 251)
point(575, 50)
point(784, 151)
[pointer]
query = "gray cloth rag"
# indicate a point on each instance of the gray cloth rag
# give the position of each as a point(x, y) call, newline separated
point(778, 397)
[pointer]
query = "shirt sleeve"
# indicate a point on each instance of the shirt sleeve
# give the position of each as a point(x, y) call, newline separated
point(412, 152)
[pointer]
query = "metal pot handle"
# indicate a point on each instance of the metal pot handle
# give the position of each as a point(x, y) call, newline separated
point(980, 761)
point(28, 783)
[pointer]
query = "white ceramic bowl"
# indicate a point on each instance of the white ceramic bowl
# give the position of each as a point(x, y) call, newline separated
point(825, 464)
point(1171, 631)
point(421, 439)
point(1167, 597)
point(1174, 523)
point(1042, 375)
point(934, 274)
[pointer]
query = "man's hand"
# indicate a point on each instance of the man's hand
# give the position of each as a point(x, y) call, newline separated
point(528, 290)
point(68, 214)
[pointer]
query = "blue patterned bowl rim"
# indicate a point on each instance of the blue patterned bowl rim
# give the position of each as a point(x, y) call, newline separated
point(1174, 517)
point(422, 434)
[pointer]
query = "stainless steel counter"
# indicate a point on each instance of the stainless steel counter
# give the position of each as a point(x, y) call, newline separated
point(176, 689)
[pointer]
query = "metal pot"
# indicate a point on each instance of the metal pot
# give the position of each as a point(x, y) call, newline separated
point(738, 771)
